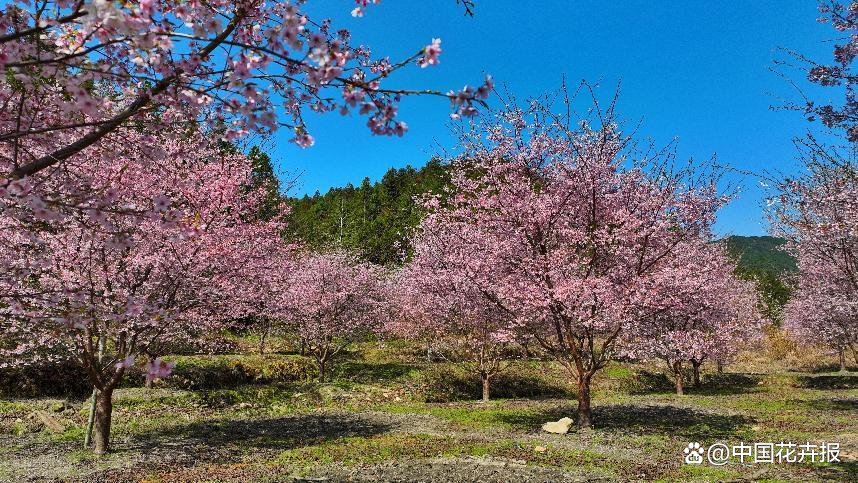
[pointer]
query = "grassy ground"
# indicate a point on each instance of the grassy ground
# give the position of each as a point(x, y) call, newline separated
point(390, 416)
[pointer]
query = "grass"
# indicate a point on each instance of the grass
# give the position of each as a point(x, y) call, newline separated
point(379, 409)
point(364, 450)
point(709, 473)
point(10, 407)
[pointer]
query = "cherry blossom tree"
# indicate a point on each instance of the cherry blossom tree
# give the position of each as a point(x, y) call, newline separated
point(111, 284)
point(333, 300)
point(436, 299)
point(566, 226)
point(711, 313)
point(80, 76)
point(87, 68)
point(824, 309)
point(818, 213)
point(257, 284)
point(837, 73)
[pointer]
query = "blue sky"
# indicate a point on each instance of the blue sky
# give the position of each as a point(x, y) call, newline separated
point(692, 70)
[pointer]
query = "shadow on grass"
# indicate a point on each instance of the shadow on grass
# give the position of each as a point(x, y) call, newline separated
point(726, 384)
point(672, 420)
point(228, 438)
point(647, 382)
point(837, 381)
point(843, 471)
point(65, 379)
point(829, 368)
point(833, 404)
point(444, 384)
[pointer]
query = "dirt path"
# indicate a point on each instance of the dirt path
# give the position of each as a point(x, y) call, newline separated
point(453, 470)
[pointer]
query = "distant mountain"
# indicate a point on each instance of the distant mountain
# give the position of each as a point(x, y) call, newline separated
point(762, 259)
point(760, 254)
point(374, 219)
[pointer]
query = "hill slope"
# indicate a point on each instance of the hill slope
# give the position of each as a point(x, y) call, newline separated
point(761, 259)
point(373, 219)
point(760, 254)
point(376, 219)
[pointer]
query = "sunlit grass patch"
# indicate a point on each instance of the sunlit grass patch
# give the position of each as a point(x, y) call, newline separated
point(8, 407)
point(352, 451)
point(708, 473)
point(364, 450)
point(71, 432)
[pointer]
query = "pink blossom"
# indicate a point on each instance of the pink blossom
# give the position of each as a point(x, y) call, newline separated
point(573, 243)
point(400, 129)
point(818, 214)
point(430, 54)
point(304, 140)
point(158, 369)
point(161, 203)
point(109, 56)
point(709, 314)
point(126, 363)
point(331, 299)
point(141, 280)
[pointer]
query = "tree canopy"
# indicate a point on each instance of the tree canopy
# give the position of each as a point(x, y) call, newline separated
point(374, 220)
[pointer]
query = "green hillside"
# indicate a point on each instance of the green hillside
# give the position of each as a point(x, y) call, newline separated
point(762, 259)
point(758, 254)
point(374, 219)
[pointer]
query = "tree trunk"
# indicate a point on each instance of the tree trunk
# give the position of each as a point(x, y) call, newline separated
point(485, 387)
point(677, 374)
point(720, 367)
point(303, 347)
point(842, 355)
point(87, 439)
point(103, 415)
point(90, 422)
point(585, 417)
point(696, 366)
point(262, 338)
point(321, 371)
